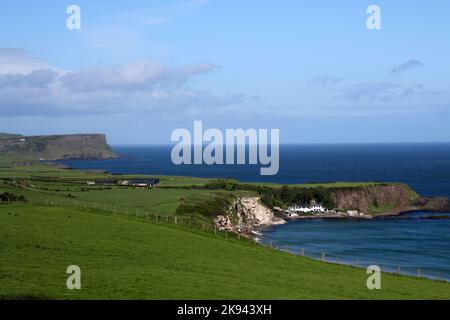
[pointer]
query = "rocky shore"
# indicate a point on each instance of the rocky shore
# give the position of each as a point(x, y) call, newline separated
point(247, 215)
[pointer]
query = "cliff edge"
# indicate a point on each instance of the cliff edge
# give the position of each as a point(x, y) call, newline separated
point(245, 215)
point(57, 147)
point(375, 199)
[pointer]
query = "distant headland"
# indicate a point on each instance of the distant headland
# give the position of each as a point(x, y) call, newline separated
point(57, 147)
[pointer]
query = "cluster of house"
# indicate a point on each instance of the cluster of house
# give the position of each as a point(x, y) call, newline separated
point(298, 210)
point(137, 183)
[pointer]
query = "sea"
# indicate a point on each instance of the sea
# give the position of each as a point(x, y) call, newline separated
point(413, 243)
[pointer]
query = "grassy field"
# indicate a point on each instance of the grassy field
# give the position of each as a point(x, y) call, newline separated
point(316, 185)
point(125, 258)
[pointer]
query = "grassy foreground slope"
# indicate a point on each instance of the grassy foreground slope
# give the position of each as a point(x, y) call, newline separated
point(125, 258)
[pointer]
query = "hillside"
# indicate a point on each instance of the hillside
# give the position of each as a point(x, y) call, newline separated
point(128, 247)
point(129, 258)
point(56, 147)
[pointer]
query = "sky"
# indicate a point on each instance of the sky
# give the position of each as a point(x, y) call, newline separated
point(137, 70)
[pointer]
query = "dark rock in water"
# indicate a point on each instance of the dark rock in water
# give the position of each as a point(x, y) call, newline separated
point(394, 217)
point(436, 204)
point(441, 217)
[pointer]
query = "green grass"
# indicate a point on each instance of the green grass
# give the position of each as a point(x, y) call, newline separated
point(317, 185)
point(11, 167)
point(163, 202)
point(123, 258)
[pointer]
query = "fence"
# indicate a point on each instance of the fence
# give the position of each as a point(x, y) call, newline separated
point(143, 214)
point(407, 270)
point(192, 223)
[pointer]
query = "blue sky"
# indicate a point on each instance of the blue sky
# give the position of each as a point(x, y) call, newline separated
point(137, 70)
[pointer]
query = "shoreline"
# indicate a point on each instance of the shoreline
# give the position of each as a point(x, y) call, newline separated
point(261, 239)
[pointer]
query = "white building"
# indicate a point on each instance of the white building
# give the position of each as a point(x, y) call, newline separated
point(305, 209)
point(317, 208)
point(299, 208)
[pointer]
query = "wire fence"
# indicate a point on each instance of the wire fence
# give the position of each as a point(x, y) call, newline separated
point(145, 214)
point(400, 269)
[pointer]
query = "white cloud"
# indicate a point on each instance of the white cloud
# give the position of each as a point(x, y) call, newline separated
point(31, 87)
point(16, 61)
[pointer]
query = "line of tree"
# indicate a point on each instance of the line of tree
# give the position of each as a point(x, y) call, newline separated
point(279, 197)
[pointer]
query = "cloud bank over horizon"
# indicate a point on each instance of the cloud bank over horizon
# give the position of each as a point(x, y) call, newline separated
point(29, 86)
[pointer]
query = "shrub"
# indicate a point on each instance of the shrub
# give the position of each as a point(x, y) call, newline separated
point(9, 197)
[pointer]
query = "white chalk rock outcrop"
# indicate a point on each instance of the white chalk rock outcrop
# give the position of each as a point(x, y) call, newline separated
point(245, 215)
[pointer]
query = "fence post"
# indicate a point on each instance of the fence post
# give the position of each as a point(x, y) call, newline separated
point(398, 269)
point(176, 221)
point(418, 272)
point(203, 227)
point(226, 234)
point(323, 256)
point(270, 243)
point(287, 248)
point(303, 252)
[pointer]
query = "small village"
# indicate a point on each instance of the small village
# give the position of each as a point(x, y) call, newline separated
point(317, 211)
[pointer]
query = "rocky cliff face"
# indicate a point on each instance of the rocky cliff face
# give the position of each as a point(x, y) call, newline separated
point(57, 147)
point(380, 198)
point(245, 215)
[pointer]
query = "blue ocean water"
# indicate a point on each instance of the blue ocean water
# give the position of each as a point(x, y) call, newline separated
point(412, 243)
point(424, 167)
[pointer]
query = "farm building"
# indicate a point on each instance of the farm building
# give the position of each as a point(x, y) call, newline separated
point(139, 183)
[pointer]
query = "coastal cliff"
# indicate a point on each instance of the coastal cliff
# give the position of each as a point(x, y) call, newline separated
point(375, 199)
point(246, 214)
point(57, 147)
